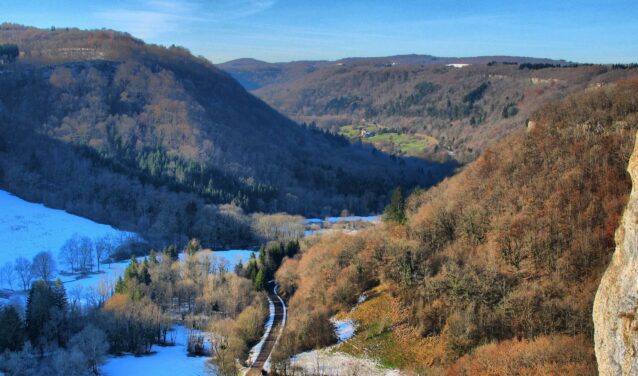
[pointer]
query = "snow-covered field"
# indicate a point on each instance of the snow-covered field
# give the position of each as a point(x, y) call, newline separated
point(329, 362)
point(27, 228)
point(352, 218)
point(167, 361)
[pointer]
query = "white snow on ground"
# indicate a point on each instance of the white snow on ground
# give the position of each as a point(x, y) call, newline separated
point(362, 298)
point(27, 228)
point(85, 288)
point(344, 329)
point(327, 362)
point(354, 218)
point(167, 361)
point(310, 221)
point(254, 352)
point(351, 218)
point(330, 361)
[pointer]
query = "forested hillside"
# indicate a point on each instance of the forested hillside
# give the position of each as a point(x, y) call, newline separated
point(494, 271)
point(254, 74)
point(155, 140)
point(464, 109)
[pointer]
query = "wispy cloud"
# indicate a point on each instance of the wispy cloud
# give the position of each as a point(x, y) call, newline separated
point(148, 19)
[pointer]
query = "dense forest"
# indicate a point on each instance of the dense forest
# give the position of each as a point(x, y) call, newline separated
point(494, 271)
point(155, 140)
point(254, 74)
point(465, 109)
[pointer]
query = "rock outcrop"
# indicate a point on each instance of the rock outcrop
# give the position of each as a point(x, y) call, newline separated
point(616, 304)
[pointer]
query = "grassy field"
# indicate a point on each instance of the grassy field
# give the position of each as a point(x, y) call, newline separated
point(389, 140)
point(384, 336)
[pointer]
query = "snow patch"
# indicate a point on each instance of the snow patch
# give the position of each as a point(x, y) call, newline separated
point(166, 361)
point(344, 329)
point(354, 218)
point(327, 362)
point(362, 298)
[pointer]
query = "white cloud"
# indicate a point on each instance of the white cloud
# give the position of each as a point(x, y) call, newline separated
point(149, 19)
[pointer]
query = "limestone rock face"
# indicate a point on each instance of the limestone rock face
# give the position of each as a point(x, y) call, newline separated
point(616, 304)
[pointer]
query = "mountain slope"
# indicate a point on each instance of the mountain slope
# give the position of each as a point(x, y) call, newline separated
point(512, 248)
point(254, 74)
point(167, 120)
point(463, 109)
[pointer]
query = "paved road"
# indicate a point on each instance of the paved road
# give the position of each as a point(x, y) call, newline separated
point(269, 344)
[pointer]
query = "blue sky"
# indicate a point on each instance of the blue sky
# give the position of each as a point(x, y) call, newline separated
point(601, 31)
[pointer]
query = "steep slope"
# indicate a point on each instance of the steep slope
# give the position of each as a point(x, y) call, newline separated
point(163, 120)
point(512, 248)
point(616, 301)
point(464, 109)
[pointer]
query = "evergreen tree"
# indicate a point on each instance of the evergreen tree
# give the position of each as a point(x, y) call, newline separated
point(292, 248)
point(251, 268)
point(260, 282)
point(171, 252)
point(131, 272)
point(239, 269)
point(58, 294)
point(395, 211)
point(143, 275)
point(46, 313)
point(120, 287)
point(11, 330)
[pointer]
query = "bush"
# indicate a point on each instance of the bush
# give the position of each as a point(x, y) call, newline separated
point(549, 355)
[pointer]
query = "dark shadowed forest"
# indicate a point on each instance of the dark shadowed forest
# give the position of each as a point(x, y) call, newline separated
point(157, 141)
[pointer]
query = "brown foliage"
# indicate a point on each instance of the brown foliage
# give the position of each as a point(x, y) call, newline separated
point(512, 247)
point(547, 355)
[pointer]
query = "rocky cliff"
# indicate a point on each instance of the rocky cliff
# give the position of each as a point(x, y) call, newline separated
point(616, 305)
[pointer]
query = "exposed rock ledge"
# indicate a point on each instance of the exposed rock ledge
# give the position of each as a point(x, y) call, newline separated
point(616, 304)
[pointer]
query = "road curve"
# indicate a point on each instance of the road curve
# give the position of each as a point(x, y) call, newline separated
point(257, 368)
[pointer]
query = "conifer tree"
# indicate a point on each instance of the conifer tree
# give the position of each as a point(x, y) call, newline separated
point(260, 283)
point(395, 211)
point(251, 268)
point(171, 252)
point(11, 330)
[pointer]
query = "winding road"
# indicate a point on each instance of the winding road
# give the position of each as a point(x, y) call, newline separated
point(261, 364)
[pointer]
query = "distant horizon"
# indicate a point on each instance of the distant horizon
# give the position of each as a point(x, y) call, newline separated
point(294, 60)
point(302, 30)
point(415, 54)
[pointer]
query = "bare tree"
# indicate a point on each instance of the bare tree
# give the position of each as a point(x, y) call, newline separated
point(75, 293)
point(44, 266)
point(104, 289)
point(104, 248)
point(93, 344)
point(70, 251)
point(7, 275)
point(86, 254)
point(24, 270)
point(279, 226)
